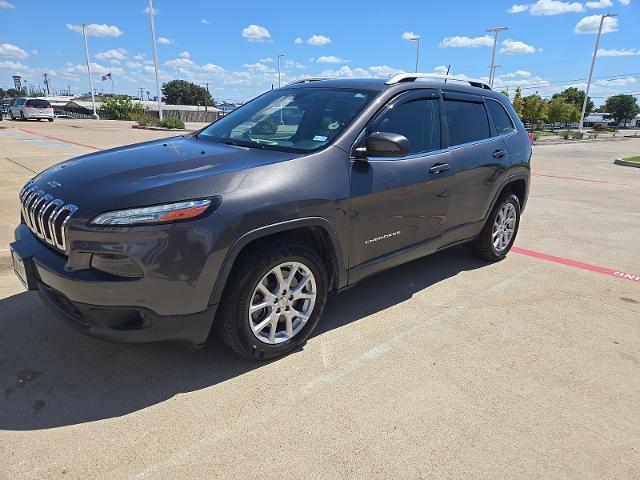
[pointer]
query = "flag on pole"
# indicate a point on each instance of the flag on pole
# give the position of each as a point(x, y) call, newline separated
point(106, 77)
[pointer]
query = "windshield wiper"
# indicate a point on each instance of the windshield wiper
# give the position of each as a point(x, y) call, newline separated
point(235, 143)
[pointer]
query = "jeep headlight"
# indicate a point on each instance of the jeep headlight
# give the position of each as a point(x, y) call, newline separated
point(167, 212)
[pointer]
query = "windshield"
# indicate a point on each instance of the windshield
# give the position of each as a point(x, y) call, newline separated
point(294, 120)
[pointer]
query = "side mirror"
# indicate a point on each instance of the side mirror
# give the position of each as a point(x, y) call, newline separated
point(384, 144)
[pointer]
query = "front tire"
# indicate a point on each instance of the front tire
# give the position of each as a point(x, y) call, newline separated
point(500, 230)
point(273, 299)
point(50, 119)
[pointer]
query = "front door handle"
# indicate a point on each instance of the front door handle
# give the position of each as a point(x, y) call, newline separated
point(498, 154)
point(439, 168)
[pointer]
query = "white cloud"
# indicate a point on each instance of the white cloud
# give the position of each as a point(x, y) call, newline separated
point(441, 69)
point(256, 33)
point(15, 67)
point(211, 68)
point(258, 67)
point(516, 47)
point(5, 4)
point(518, 8)
point(96, 69)
point(140, 56)
point(621, 52)
point(298, 40)
point(554, 7)
point(8, 50)
point(134, 65)
point(96, 30)
point(591, 23)
point(180, 63)
point(618, 82)
point(185, 55)
point(599, 4)
point(518, 74)
point(266, 60)
point(35, 52)
point(294, 64)
point(165, 41)
point(465, 42)
point(318, 40)
point(409, 36)
point(205, 21)
point(146, 10)
point(331, 59)
point(113, 54)
point(384, 71)
point(625, 2)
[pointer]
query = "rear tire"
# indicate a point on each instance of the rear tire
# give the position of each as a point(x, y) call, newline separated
point(292, 315)
point(50, 119)
point(500, 230)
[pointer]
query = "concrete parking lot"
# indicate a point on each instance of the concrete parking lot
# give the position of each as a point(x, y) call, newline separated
point(446, 367)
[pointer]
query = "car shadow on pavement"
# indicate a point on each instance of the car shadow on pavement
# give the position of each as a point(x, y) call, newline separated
point(52, 376)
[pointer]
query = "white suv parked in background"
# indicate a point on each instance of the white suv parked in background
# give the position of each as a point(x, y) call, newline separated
point(27, 108)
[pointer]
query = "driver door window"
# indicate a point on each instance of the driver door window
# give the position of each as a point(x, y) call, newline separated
point(418, 120)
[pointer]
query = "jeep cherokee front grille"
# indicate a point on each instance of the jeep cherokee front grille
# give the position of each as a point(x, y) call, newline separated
point(45, 216)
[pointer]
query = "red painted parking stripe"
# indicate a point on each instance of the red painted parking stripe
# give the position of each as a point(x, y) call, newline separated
point(575, 264)
point(59, 139)
point(590, 180)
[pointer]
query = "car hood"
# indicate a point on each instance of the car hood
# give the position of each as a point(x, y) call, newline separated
point(167, 170)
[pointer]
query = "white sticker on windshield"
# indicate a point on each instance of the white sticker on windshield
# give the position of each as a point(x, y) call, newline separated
point(319, 138)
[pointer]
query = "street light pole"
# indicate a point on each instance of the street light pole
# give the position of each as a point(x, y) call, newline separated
point(280, 55)
point(495, 31)
point(86, 52)
point(155, 59)
point(417, 40)
point(593, 63)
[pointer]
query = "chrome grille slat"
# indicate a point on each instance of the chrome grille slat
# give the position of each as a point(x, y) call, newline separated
point(46, 216)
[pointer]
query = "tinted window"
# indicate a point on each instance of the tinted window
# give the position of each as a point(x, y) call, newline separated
point(467, 121)
point(418, 120)
point(290, 119)
point(37, 103)
point(501, 119)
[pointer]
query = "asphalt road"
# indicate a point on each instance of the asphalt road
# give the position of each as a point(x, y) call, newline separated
point(446, 367)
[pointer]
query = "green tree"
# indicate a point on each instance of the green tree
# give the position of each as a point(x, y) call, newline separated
point(621, 108)
point(575, 97)
point(181, 92)
point(560, 109)
point(13, 93)
point(505, 92)
point(533, 108)
point(517, 102)
point(121, 108)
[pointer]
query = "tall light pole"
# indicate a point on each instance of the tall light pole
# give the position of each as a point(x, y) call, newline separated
point(593, 63)
point(86, 52)
point(495, 31)
point(416, 39)
point(155, 59)
point(493, 73)
point(280, 55)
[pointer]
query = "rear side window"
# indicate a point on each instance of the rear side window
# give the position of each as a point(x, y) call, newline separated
point(467, 121)
point(38, 103)
point(501, 119)
point(418, 120)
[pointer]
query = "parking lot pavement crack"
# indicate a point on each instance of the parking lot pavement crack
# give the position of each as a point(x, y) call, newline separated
point(20, 165)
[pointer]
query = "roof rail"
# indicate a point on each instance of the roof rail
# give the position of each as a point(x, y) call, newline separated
point(412, 77)
point(307, 80)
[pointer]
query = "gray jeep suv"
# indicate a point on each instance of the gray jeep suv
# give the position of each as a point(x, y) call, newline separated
point(244, 226)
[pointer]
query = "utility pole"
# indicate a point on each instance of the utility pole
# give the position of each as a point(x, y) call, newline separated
point(493, 73)
point(593, 63)
point(206, 101)
point(141, 94)
point(495, 31)
point(86, 52)
point(46, 83)
point(155, 59)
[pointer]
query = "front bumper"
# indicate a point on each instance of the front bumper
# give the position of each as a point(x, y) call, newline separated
point(129, 310)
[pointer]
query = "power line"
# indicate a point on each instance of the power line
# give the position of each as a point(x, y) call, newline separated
point(568, 82)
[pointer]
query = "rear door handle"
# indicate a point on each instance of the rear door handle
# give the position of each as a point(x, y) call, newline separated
point(439, 168)
point(498, 154)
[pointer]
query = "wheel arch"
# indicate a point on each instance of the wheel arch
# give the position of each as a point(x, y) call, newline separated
point(317, 231)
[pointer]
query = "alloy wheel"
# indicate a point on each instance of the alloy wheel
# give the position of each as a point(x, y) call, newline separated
point(504, 227)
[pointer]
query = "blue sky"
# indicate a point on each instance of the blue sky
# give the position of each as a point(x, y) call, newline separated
point(233, 45)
